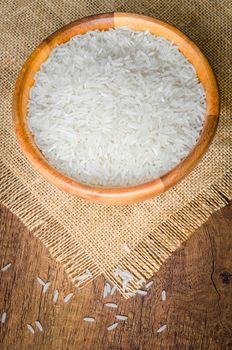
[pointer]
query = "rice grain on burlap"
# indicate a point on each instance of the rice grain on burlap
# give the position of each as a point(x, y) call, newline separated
point(82, 235)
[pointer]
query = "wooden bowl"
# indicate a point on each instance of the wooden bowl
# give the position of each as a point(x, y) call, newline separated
point(103, 22)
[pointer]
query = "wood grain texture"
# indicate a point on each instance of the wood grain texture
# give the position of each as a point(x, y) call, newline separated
point(198, 310)
point(104, 21)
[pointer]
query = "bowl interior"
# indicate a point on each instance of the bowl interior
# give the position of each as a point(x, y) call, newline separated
point(103, 22)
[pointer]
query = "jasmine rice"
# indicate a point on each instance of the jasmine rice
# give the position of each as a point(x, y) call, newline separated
point(116, 108)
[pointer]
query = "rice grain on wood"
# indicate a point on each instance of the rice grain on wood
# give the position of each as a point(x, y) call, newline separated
point(6, 267)
point(149, 284)
point(163, 295)
point(111, 305)
point(55, 296)
point(40, 281)
point(46, 286)
point(3, 318)
point(39, 326)
point(113, 290)
point(68, 297)
point(89, 319)
point(162, 328)
point(30, 328)
point(112, 326)
point(121, 317)
point(141, 292)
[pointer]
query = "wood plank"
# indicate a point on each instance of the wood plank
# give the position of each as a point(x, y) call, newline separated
point(198, 309)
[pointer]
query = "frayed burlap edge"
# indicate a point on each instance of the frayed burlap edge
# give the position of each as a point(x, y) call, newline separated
point(145, 258)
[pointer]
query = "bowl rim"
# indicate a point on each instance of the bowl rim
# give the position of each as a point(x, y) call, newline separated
point(111, 195)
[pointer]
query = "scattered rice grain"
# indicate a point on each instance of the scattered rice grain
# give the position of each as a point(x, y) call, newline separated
point(30, 328)
point(40, 281)
point(68, 297)
point(126, 275)
point(89, 319)
point(39, 326)
point(85, 276)
point(6, 267)
point(56, 296)
point(149, 284)
point(46, 286)
point(107, 290)
point(112, 305)
point(112, 326)
point(162, 328)
point(3, 318)
point(141, 292)
point(163, 295)
point(121, 317)
point(113, 290)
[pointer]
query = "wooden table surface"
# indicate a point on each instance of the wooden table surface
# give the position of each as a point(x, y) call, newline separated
point(197, 279)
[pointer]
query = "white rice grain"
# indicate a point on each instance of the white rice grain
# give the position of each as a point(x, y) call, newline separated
point(163, 295)
point(3, 318)
point(68, 297)
point(40, 281)
point(121, 317)
point(107, 290)
point(162, 328)
point(39, 326)
point(113, 290)
point(141, 292)
point(85, 276)
point(112, 305)
point(55, 296)
point(46, 286)
point(130, 294)
point(126, 275)
point(6, 267)
point(149, 284)
point(89, 319)
point(30, 328)
point(112, 326)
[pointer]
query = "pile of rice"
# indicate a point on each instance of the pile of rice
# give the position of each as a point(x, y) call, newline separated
point(116, 108)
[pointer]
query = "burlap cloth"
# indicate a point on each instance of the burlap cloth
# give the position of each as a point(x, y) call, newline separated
point(81, 235)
